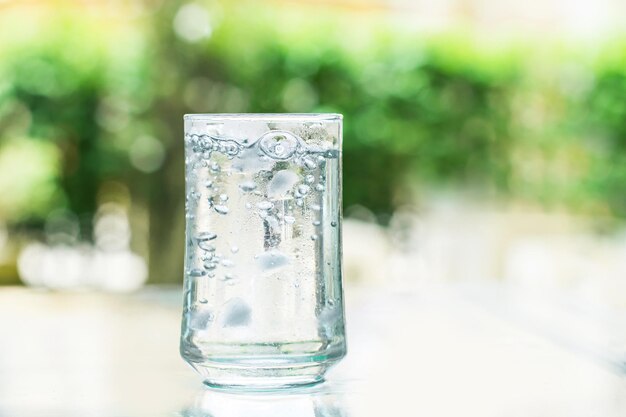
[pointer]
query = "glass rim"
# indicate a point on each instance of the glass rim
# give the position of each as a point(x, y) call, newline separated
point(300, 117)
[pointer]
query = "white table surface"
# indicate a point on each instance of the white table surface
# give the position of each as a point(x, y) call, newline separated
point(470, 350)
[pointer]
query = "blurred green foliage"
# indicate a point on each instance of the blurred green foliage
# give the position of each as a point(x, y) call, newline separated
point(85, 104)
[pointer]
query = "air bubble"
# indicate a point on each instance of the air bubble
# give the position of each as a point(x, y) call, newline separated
point(316, 222)
point(248, 206)
point(228, 263)
point(278, 145)
point(315, 207)
point(320, 187)
point(221, 209)
point(313, 237)
point(333, 224)
point(299, 202)
point(303, 189)
point(206, 246)
point(210, 265)
point(309, 179)
point(234, 249)
point(208, 184)
point(247, 186)
point(203, 301)
point(290, 219)
point(196, 273)
point(204, 236)
point(223, 197)
point(309, 163)
point(265, 205)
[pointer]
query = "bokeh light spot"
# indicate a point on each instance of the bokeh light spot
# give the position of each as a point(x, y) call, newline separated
point(146, 154)
point(192, 23)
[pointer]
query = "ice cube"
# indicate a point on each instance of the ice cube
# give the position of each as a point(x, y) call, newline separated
point(200, 318)
point(282, 182)
point(236, 313)
point(272, 260)
point(249, 161)
point(247, 186)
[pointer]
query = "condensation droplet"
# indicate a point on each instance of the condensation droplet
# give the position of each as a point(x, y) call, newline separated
point(203, 301)
point(223, 197)
point(333, 224)
point(309, 179)
point(228, 263)
point(313, 237)
point(290, 219)
point(234, 249)
point(316, 222)
point(320, 187)
point(248, 206)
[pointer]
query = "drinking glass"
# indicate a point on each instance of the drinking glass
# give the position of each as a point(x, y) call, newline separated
point(263, 303)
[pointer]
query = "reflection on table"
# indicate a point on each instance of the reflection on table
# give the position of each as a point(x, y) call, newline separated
point(435, 351)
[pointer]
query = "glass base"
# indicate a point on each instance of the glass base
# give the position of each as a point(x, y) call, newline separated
point(260, 378)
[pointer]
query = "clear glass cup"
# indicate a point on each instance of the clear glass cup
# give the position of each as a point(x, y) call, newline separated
point(263, 304)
